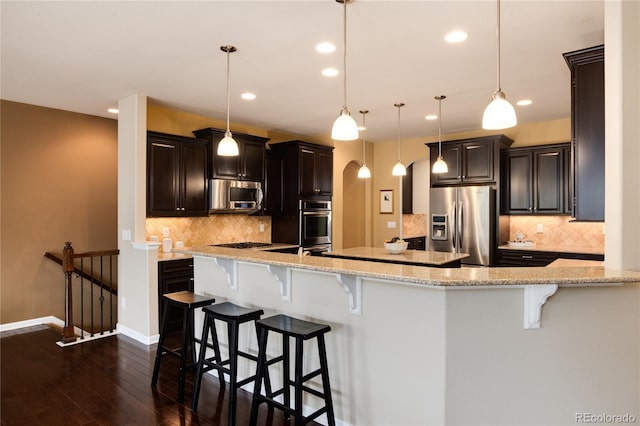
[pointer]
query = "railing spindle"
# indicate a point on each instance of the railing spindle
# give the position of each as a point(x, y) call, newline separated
point(68, 334)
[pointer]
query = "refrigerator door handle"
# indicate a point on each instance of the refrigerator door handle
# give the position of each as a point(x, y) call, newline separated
point(454, 227)
point(459, 221)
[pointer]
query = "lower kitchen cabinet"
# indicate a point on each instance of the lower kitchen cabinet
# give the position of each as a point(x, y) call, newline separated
point(173, 275)
point(416, 243)
point(539, 258)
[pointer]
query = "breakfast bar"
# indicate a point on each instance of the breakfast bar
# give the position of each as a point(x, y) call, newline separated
point(414, 345)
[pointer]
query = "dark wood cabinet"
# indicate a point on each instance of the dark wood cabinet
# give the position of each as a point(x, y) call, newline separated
point(176, 176)
point(535, 180)
point(416, 243)
point(173, 275)
point(521, 258)
point(407, 191)
point(306, 172)
point(274, 184)
point(470, 161)
point(248, 165)
point(587, 132)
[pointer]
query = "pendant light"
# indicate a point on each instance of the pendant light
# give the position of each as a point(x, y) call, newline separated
point(364, 172)
point(228, 147)
point(440, 166)
point(499, 114)
point(345, 127)
point(399, 169)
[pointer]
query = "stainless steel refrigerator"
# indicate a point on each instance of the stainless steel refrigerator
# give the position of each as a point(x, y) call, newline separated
point(464, 220)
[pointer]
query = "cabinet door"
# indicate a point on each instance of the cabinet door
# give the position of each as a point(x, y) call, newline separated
point(193, 193)
point(452, 155)
point(477, 162)
point(252, 161)
point(567, 184)
point(162, 178)
point(324, 173)
point(224, 167)
point(307, 172)
point(548, 181)
point(407, 191)
point(517, 183)
point(274, 184)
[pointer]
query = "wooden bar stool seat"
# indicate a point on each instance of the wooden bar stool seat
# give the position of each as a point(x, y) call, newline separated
point(300, 330)
point(188, 302)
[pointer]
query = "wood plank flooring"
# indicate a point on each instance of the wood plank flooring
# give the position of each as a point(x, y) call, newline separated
point(103, 382)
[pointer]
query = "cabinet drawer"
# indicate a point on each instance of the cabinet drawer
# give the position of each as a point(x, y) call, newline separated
point(176, 267)
point(526, 258)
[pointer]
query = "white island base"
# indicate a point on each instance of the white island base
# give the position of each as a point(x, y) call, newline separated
point(451, 355)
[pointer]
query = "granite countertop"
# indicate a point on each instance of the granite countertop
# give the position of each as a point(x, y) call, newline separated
point(417, 257)
point(555, 248)
point(575, 263)
point(163, 257)
point(420, 275)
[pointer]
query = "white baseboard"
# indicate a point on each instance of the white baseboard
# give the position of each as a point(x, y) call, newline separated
point(31, 322)
point(135, 335)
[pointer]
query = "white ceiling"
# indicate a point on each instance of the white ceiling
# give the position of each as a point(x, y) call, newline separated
point(84, 56)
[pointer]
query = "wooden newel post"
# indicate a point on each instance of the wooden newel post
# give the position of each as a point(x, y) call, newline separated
point(68, 334)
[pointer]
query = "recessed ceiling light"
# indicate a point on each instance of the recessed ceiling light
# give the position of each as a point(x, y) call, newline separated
point(248, 96)
point(456, 36)
point(113, 110)
point(330, 72)
point(431, 117)
point(325, 47)
point(524, 102)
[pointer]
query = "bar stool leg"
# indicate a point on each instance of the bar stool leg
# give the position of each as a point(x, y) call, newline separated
point(186, 338)
point(286, 379)
point(326, 387)
point(201, 357)
point(156, 365)
point(233, 330)
point(262, 364)
point(298, 382)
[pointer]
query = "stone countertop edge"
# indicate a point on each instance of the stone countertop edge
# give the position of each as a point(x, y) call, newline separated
point(427, 276)
point(559, 249)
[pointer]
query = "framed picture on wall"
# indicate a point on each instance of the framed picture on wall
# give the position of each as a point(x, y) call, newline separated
point(386, 201)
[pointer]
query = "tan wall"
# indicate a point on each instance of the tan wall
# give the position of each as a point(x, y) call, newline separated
point(59, 172)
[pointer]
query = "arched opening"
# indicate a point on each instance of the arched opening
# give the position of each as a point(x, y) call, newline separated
point(353, 214)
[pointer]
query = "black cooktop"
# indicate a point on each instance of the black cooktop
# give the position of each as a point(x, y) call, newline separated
point(243, 245)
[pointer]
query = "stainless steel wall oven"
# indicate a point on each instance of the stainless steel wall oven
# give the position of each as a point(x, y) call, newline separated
point(315, 224)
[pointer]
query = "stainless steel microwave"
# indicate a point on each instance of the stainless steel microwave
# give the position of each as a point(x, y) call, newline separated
point(234, 196)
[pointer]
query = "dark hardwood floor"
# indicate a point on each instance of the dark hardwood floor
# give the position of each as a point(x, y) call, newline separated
point(103, 382)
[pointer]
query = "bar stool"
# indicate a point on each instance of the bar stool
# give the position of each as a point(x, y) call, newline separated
point(188, 302)
point(233, 315)
point(300, 330)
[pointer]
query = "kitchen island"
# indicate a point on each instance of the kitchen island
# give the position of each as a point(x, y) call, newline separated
point(435, 259)
point(411, 345)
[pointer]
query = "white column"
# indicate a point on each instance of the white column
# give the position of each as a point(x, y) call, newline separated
point(622, 134)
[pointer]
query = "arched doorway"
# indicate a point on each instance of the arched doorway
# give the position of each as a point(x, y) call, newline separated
point(353, 210)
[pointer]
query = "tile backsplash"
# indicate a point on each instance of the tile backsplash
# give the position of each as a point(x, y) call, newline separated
point(215, 229)
point(414, 225)
point(558, 231)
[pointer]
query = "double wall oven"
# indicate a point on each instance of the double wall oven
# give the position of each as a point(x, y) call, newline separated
point(315, 226)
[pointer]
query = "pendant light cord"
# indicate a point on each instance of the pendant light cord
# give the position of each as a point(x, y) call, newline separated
point(498, 33)
point(439, 126)
point(344, 54)
point(399, 105)
point(228, 97)
point(364, 137)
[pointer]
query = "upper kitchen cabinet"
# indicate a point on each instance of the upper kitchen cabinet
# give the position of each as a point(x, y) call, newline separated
point(308, 172)
point(535, 180)
point(176, 176)
point(407, 191)
point(587, 132)
point(248, 165)
point(470, 161)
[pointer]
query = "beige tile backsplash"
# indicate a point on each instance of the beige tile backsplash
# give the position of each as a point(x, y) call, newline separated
point(558, 231)
point(414, 225)
point(215, 229)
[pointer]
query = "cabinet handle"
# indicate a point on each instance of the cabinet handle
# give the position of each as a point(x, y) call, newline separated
point(527, 257)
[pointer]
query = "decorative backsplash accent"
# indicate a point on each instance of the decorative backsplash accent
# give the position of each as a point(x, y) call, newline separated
point(215, 229)
point(414, 225)
point(558, 231)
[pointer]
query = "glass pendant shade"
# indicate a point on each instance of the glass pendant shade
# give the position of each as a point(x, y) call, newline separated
point(228, 146)
point(499, 114)
point(364, 172)
point(440, 166)
point(345, 127)
point(399, 169)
